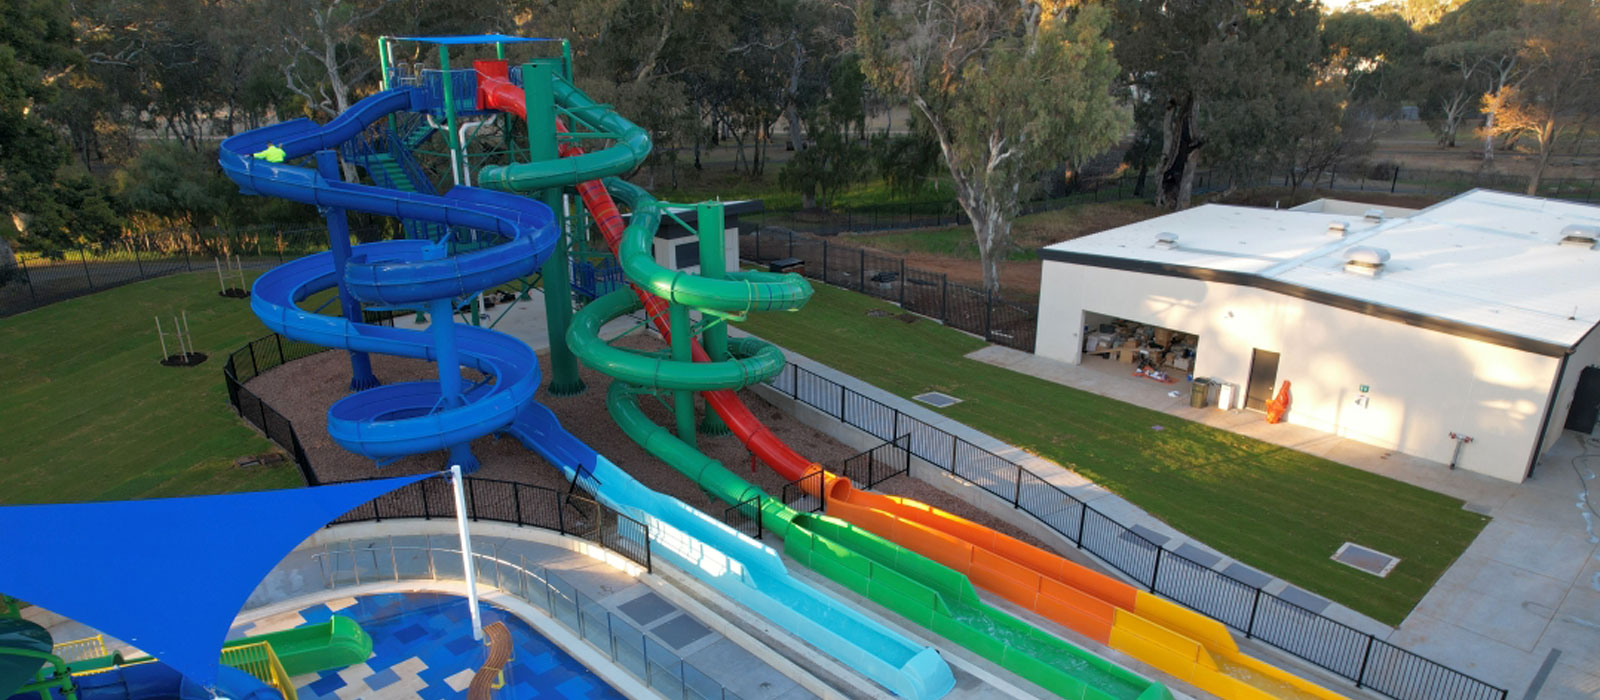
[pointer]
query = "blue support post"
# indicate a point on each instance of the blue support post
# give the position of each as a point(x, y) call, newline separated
point(361, 377)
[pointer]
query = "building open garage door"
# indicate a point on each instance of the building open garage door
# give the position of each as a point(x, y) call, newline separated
point(1136, 345)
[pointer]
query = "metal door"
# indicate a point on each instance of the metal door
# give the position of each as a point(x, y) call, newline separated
point(1263, 377)
point(1585, 408)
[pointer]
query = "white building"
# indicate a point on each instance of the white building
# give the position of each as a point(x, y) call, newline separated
point(1474, 317)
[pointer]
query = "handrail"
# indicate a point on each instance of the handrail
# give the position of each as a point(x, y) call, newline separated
point(259, 660)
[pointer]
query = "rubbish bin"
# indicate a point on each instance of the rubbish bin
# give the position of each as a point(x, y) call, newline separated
point(1198, 391)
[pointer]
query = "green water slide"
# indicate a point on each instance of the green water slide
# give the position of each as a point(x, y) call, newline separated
point(337, 643)
point(935, 596)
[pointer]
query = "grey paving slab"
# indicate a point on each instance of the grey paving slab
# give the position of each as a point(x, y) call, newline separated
point(1150, 534)
point(646, 609)
point(1197, 555)
point(1304, 599)
point(679, 632)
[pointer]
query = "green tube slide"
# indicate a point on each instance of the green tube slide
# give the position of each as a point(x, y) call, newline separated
point(631, 147)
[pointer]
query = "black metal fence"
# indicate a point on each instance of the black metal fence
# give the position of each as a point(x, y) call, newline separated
point(807, 494)
point(487, 499)
point(1358, 656)
point(518, 504)
point(931, 294)
point(879, 464)
point(1383, 177)
point(745, 516)
point(27, 284)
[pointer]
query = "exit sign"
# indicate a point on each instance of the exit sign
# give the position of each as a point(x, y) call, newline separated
point(1364, 388)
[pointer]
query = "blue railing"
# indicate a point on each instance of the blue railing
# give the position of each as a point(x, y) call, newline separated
point(594, 278)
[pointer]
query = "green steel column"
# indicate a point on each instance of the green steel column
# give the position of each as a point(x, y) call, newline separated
point(713, 265)
point(682, 401)
point(538, 91)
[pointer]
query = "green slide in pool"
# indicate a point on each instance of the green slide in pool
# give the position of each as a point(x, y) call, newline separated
point(337, 643)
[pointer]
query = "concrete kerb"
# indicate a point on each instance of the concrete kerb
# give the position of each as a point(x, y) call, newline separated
point(678, 587)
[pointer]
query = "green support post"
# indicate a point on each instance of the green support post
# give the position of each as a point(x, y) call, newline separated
point(713, 265)
point(538, 89)
point(682, 400)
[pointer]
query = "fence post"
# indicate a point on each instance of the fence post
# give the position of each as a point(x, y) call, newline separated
point(791, 245)
point(1083, 514)
point(516, 501)
point(136, 260)
point(824, 261)
point(988, 315)
point(33, 296)
point(281, 357)
point(1250, 627)
point(902, 279)
point(1155, 571)
point(894, 428)
point(85, 260)
point(1016, 495)
point(1365, 657)
point(1394, 181)
point(944, 299)
point(861, 278)
point(842, 390)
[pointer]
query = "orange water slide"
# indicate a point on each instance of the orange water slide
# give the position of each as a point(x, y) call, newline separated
point(1183, 643)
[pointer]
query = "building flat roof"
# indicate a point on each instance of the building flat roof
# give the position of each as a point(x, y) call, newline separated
point(1483, 263)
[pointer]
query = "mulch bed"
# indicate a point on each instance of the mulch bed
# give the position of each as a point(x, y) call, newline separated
point(303, 390)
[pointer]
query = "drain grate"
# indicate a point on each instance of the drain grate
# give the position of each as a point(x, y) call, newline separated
point(937, 399)
point(1371, 561)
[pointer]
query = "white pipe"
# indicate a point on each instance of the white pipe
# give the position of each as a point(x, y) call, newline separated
point(461, 138)
point(163, 338)
point(186, 330)
point(179, 331)
point(240, 260)
point(220, 282)
point(468, 570)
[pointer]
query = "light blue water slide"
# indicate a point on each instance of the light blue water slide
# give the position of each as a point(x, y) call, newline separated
point(413, 417)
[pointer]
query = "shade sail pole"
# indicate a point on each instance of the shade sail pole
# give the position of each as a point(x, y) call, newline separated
point(467, 568)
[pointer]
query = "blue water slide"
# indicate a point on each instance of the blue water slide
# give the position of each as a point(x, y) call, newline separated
point(413, 417)
point(742, 568)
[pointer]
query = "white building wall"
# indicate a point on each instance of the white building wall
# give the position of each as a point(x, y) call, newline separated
point(1423, 384)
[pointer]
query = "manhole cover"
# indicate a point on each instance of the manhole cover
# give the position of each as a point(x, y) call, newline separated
point(1371, 561)
point(937, 399)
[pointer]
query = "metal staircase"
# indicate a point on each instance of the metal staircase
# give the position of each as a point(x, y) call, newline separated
point(388, 161)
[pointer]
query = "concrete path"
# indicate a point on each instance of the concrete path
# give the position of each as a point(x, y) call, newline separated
point(1519, 609)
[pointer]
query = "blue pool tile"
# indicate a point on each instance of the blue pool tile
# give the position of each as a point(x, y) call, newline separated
point(329, 683)
point(382, 678)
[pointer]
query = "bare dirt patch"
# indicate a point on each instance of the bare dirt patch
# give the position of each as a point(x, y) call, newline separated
point(304, 389)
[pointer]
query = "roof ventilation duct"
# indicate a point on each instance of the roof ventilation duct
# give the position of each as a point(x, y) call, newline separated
point(1373, 215)
point(1338, 229)
point(1365, 260)
point(1166, 240)
point(1580, 235)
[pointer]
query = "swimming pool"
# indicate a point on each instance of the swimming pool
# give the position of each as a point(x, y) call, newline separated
point(423, 650)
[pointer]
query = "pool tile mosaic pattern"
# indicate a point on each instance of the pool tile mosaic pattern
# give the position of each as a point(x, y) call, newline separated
point(423, 650)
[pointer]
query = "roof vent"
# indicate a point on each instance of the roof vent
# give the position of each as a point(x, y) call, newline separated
point(1338, 229)
point(1373, 215)
point(1580, 235)
point(1166, 240)
point(1365, 260)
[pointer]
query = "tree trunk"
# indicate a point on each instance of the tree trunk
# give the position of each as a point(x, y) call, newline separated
point(992, 230)
point(1138, 184)
point(1488, 137)
point(1175, 181)
point(1547, 146)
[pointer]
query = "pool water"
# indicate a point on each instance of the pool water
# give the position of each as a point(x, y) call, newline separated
point(423, 650)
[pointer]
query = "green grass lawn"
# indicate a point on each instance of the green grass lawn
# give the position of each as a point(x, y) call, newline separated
point(1282, 511)
point(89, 414)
